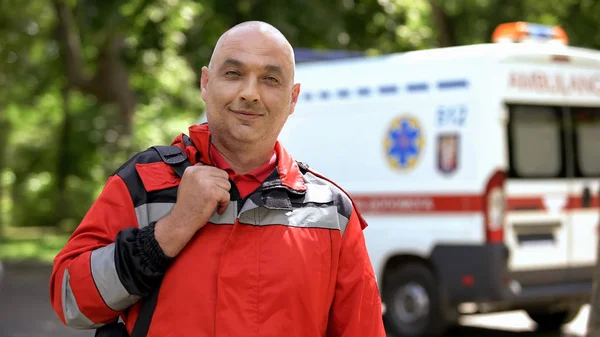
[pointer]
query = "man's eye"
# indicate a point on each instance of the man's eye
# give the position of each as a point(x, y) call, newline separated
point(232, 73)
point(272, 79)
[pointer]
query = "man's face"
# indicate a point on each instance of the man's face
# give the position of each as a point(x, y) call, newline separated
point(249, 90)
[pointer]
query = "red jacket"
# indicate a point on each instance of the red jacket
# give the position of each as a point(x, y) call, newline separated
point(288, 260)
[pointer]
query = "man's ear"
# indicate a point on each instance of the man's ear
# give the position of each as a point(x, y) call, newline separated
point(295, 95)
point(203, 83)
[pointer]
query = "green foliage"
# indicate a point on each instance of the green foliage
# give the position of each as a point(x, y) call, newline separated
point(59, 147)
point(31, 244)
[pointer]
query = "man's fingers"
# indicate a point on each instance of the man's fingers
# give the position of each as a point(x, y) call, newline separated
point(219, 173)
point(223, 202)
point(222, 208)
point(223, 184)
point(214, 171)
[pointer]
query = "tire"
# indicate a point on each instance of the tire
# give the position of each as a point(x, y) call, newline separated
point(552, 321)
point(413, 303)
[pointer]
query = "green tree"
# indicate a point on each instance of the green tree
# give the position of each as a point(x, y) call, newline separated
point(83, 84)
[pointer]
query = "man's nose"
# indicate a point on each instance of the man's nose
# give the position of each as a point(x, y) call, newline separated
point(250, 91)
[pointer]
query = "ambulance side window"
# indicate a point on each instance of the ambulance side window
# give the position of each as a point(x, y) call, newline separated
point(586, 124)
point(535, 135)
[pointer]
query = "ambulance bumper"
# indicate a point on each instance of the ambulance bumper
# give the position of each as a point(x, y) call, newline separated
point(479, 274)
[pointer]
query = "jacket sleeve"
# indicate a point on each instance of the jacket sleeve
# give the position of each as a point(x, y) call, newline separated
point(108, 262)
point(356, 309)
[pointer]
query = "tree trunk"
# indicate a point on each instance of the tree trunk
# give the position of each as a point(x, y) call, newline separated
point(63, 160)
point(442, 23)
point(109, 84)
point(594, 317)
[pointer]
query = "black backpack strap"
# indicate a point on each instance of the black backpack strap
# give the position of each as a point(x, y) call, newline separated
point(142, 323)
point(174, 156)
point(178, 160)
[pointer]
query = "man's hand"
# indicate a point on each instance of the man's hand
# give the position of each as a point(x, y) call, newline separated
point(202, 190)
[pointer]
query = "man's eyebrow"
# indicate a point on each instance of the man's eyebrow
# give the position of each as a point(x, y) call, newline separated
point(233, 62)
point(269, 67)
point(274, 69)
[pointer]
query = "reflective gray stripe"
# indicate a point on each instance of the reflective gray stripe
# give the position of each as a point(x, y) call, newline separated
point(318, 194)
point(248, 205)
point(152, 212)
point(107, 281)
point(227, 218)
point(305, 217)
point(343, 223)
point(73, 316)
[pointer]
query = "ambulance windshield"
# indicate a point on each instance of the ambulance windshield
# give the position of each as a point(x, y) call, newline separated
point(554, 142)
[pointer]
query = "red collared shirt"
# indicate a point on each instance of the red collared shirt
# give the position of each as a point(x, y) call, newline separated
point(246, 183)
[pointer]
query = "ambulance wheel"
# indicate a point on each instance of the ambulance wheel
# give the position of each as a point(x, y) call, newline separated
point(552, 321)
point(413, 305)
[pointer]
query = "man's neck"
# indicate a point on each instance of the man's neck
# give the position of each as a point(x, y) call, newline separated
point(246, 158)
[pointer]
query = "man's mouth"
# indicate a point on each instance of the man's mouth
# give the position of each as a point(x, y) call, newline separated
point(246, 114)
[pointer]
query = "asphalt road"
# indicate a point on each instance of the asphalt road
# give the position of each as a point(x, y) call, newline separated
point(25, 312)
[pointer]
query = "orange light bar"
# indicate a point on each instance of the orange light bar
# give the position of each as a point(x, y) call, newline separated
point(520, 31)
point(560, 34)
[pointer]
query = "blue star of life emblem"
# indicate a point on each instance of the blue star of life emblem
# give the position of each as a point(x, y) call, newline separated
point(404, 142)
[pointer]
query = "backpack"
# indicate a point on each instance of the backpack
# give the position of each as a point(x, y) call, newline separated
point(177, 159)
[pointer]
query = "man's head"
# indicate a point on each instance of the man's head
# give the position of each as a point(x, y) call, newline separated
point(249, 87)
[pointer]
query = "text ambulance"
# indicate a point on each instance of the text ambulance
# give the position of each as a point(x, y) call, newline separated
point(477, 168)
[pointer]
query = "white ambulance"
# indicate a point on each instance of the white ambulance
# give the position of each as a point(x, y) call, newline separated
point(477, 168)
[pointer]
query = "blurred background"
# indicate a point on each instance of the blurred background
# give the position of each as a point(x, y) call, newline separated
point(84, 84)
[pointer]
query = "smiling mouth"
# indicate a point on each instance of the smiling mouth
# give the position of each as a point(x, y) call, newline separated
point(247, 114)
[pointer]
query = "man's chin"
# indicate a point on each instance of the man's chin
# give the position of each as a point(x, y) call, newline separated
point(246, 133)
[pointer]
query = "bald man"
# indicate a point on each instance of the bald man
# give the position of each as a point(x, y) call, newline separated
point(223, 233)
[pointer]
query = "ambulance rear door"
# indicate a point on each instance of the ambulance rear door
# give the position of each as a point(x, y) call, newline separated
point(537, 189)
point(582, 207)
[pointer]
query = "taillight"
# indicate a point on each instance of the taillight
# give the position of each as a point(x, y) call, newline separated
point(494, 207)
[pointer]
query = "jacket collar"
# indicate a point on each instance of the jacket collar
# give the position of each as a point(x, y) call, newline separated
point(287, 174)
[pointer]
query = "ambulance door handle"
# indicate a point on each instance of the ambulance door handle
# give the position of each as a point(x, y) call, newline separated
point(586, 197)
